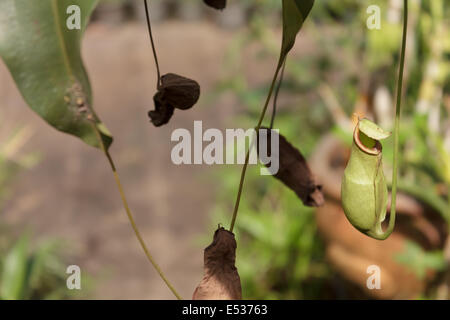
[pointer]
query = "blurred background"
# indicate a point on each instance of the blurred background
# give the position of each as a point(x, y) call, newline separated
point(59, 205)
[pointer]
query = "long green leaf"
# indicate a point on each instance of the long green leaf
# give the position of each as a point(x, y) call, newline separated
point(44, 58)
point(294, 14)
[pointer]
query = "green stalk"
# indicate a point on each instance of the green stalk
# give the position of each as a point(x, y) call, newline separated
point(385, 234)
point(130, 215)
point(258, 126)
point(275, 97)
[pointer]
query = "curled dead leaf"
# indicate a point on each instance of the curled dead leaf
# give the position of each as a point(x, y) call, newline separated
point(216, 4)
point(174, 92)
point(163, 111)
point(294, 171)
point(179, 92)
point(221, 279)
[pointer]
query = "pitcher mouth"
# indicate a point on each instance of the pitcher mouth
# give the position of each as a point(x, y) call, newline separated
point(376, 150)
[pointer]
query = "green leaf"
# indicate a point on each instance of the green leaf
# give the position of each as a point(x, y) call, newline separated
point(14, 275)
point(44, 59)
point(294, 14)
point(419, 261)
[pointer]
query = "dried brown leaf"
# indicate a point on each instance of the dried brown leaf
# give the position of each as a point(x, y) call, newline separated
point(174, 92)
point(179, 92)
point(294, 171)
point(221, 279)
point(163, 111)
point(217, 4)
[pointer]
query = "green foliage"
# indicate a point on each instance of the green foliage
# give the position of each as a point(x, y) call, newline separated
point(53, 81)
point(14, 271)
point(27, 271)
point(419, 261)
point(279, 254)
point(30, 271)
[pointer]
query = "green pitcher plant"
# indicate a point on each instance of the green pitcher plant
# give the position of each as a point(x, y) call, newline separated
point(364, 190)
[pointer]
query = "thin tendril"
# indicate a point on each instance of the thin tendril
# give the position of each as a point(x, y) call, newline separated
point(390, 228)
point(244, 168)
point(397, 115)
point(130, 215)
point(275, 97)
point(158, 83)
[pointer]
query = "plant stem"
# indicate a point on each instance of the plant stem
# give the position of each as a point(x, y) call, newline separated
point(275, 97)
point(385, 234)
point(397, 116)
point(158, 83)
point(130, 216)
point(244, 168)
